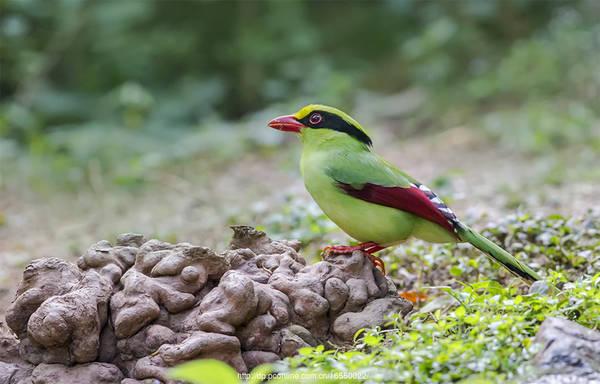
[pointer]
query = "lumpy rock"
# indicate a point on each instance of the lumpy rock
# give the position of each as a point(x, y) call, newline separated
point(127, 312)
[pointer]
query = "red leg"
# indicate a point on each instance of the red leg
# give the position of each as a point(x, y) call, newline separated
point(368, 247)
point(377, 262)
point(341, 249)
point(374, 248)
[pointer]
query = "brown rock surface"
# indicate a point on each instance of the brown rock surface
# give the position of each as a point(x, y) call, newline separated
point(170, 303)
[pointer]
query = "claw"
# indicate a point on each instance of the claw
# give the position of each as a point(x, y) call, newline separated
point(377, 262)
point(341, 249)
point(368, 248)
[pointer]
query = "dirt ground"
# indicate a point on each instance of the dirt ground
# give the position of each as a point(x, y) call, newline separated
point(183, 205)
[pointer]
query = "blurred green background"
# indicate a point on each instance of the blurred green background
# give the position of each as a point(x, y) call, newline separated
point(114, 89)
point(150, 116)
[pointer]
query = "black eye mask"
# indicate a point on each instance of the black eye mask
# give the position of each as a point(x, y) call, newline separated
point(336, 123)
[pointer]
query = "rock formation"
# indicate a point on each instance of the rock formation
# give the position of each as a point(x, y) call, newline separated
point(568, 353)
point(129, 311)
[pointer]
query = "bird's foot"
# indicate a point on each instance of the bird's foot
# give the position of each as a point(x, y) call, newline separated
point(377, 262)
point(342, 249)
point(368, 247)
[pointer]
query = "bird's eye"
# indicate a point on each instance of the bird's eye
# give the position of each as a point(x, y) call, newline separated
point(315, 118)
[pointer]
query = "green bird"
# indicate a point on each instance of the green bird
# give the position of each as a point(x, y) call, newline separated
point(370, 199)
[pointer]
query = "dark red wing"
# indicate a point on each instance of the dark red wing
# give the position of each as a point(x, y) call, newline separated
point(413, 199)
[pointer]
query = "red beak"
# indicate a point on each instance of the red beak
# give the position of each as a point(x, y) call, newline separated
point(286, 124)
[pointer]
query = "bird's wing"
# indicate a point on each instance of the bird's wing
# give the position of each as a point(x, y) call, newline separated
point(369, 178)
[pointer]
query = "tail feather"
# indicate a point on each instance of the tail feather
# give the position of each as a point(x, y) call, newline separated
point(497, 253)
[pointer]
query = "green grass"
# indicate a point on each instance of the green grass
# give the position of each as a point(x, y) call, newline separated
point(486, 329)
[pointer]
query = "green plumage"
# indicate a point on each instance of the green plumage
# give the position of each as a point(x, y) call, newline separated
point(334, 154)
point(329, 157)
point(497, 253)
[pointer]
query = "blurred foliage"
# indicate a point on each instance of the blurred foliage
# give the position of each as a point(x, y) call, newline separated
point(556, 74)
point(237, 56)
point(296, 219)
point(91, 88)
point(206, 371)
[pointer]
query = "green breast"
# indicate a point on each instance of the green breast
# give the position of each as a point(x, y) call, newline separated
point(361, 220)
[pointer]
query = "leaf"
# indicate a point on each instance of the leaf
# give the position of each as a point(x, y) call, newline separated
point(259, 373)
point(456, 271)
point(413, 296)
point(472, 319)
point(475, 380)
point(207, 371)
point(460, 312)
point(358, 333)
point(372, 340)
point(305, 351)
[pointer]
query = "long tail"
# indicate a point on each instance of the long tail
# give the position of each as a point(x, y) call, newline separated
point(497, 253)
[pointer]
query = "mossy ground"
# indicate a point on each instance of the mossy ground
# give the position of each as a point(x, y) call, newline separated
point(477, 321)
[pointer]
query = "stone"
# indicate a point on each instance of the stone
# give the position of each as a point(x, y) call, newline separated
point(569, 353)
point(254, 303)
point(97, 373)
point(374, 314)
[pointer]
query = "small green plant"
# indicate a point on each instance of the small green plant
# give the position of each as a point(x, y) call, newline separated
point(206, 371)
point(485, 330)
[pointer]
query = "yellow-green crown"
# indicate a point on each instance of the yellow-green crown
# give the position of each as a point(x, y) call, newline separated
point(334, 119)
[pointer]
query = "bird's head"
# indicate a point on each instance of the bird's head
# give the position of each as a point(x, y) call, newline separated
point(319, 123)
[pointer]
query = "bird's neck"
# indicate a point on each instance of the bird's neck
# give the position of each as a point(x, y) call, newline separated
point(330, 141)
point(317, 155)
